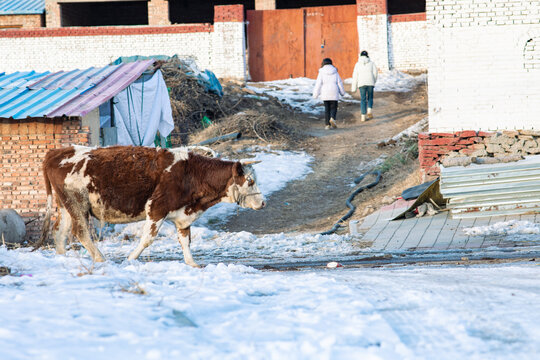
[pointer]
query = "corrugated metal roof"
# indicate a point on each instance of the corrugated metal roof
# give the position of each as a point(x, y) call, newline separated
point(492, 190)
point(22, 7)
point(70, 93)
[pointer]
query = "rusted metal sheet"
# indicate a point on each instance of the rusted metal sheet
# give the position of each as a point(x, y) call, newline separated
point(292, 43)
point(493, 190)
point(276, 44)
point(331, 32)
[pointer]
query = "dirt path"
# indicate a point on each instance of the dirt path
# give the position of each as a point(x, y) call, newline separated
point(316, 202)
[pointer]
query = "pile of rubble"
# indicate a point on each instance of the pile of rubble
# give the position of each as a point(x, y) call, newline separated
point(196, 108)
point(505, 146)
point(466, 147)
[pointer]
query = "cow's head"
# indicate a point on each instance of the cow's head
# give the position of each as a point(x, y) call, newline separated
point(244, 190)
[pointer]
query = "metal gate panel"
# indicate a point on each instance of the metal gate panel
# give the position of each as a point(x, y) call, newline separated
point(331, 32)
point(293, 42)
point(276, 44)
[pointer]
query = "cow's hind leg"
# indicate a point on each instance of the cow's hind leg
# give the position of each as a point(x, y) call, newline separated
point(150, 230)
point(62, 227)
point(184, 236)
point(81, 231)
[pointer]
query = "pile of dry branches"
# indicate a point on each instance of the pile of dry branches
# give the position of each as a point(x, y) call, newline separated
point(251, 123)
point(191, 103)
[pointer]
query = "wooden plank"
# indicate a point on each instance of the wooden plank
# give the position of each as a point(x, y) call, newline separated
point(433, 231)
point(444, 239)
point(475, 242)
point(413, 238)
point(400, 234)
point(460, 239)
point(528, 217)
point(374, 232)
point(406, 228)
point(389, 233)
point(369, 221)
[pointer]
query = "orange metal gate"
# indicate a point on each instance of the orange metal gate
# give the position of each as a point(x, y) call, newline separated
point(292, 43)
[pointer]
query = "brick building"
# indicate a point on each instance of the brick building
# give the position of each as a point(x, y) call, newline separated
point(484, 77)
point(22, 14)
point(81, 33)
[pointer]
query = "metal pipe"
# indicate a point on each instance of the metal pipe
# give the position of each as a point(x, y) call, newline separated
point(231, 136)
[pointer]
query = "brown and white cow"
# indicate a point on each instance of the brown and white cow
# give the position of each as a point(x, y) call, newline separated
point(123, 184)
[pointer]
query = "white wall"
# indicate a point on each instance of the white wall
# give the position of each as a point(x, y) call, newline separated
point(407, 45)
point(483, 72)
point(228, 52)
point(221, 50)
point(373, 37)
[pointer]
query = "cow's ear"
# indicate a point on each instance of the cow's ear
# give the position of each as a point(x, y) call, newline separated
point(238, 169)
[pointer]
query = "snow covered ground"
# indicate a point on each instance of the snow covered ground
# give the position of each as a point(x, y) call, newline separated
point(56, 307)
point(512, 227)
point(298, 92)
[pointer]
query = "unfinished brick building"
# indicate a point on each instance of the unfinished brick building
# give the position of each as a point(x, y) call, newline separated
point(22, 14)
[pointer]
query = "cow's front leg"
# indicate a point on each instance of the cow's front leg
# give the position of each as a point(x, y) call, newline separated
point(184, 236)
point(150, 230)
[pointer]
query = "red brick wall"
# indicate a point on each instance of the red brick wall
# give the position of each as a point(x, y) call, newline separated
point(371, 7)
point(433, 146)
point(158, 12)
point(407, 17)
point(107, 30)
point(22, 21)
point(23, 147)
point(229, 13)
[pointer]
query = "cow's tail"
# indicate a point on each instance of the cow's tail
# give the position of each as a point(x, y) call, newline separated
point(47, 219)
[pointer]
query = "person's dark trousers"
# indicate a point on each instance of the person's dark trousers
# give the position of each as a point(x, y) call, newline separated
point(366, 98)
point(330, 110)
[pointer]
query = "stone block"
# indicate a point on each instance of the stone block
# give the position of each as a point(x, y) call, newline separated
point(530, 132)
point(473, 152)
point(494, 149)
point(510, 133)
point(517, 147)
point(456, 161)
point(12, 227)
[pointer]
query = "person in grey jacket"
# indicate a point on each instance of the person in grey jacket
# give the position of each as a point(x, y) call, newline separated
point(364, 79)
point(329, 87)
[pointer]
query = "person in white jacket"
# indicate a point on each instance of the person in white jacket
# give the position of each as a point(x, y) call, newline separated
point(364, 79)
point(329, 87)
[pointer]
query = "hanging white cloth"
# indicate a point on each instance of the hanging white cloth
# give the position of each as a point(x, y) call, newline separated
point(141, 110)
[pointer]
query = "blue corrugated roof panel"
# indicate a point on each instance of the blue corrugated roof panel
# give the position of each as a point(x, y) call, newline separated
point(22, 7)
point(26, 94)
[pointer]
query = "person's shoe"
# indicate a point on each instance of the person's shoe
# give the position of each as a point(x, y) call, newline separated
point(333, 123)
point(327, 127)
point(363, 118)
point(369, 114)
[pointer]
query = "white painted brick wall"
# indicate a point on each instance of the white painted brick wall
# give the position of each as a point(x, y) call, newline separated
point(221, 51)
point(228, 52)
point(373, 37)
point(407, 45)
point(483, 74)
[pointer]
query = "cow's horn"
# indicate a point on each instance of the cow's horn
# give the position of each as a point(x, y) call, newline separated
point(250, 162)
